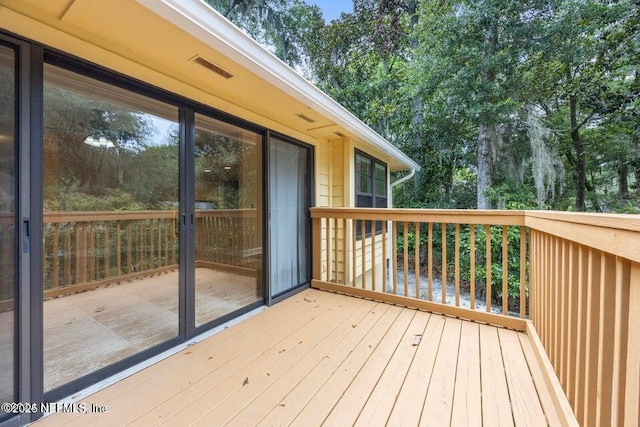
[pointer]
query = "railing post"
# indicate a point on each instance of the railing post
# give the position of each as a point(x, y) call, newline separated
point(316, 235)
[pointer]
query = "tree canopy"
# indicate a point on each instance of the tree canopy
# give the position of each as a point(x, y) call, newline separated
point(527, 104)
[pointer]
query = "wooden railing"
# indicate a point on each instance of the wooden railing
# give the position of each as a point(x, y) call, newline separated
point(576, 277)
point(85, 250)
point(426, 249)
point(585, 305)
point(229, 239)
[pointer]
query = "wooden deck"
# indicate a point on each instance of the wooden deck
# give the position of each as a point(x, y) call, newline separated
point(321, 358)
point(89, 330)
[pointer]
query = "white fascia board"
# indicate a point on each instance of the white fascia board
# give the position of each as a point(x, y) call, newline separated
point(204, 23)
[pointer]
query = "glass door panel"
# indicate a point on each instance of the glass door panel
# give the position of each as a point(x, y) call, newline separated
point(289, 202)
point(111, 202)
point(228, 218)
point(8, 260)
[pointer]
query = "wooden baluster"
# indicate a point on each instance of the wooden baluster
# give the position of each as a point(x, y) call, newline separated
point(56, 256)
point(457, 265)
point(632, 371)
point(606, 334)
point(118, 250)
point(353, 250)
point(406, 258)
point(430, 262)
point(394, 254)
point(363, 250)
point(140, 247)
point(130, 261)
point(152, 249)
point(523, 272)
point(175, 237)
point(78, 254)
point(416, 260)
point(560, 364)
point(488, 259)
point(572, 316)
point(384, 256)
point(620, 336)
point(159, 227)
point(345, 278)
point(443, 283)
point(472, 267)
point(335, 249)
point(165, 224)
point(327, 239)
point(373, 255)
point(592, 286)
point(107, 250)
point(92, 252)
point(505, 271)
point(580, 360)
point(67, 255)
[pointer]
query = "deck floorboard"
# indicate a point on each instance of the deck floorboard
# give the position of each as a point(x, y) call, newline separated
point(319, 358)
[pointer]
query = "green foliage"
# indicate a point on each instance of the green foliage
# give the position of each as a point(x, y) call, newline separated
point(426, 75)
point(282, 26)
point(112, 200)
point(513, 259)
point(513, 255)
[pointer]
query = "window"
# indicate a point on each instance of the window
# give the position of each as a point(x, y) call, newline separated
point(371, 187)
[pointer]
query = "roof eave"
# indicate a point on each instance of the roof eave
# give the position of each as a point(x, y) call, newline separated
point(207, 25)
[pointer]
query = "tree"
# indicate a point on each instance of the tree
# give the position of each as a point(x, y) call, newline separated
point(469, 54)
point(282, 26)
point(581, 68)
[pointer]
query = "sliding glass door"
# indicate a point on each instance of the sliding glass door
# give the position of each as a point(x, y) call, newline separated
point(289, 203)
point(146, 218)
point(110, 223)
point(228, 219)
point(8, 276)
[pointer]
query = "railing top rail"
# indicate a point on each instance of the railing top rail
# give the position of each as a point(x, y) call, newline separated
point(612, 233)
point(618, 235)
point(75, 216)
point(617, 221)
point(451, 216)
point(87, 216)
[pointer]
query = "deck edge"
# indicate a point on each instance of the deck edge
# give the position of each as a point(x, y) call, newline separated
point(560, 401)
point(432, 307)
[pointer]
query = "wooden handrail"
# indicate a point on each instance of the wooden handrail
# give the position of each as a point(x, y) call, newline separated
point(450, 216)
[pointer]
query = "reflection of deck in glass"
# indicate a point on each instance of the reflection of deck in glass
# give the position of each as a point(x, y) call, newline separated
point(89, 330)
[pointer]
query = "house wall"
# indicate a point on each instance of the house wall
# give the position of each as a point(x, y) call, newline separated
point(340, 250)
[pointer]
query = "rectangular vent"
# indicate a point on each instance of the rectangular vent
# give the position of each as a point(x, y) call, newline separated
point(340, 134)
point(306, 118)
point(212, 67)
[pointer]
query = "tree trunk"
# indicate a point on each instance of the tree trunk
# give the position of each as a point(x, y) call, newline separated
point(623, 183)
point(484, 166)
point(580, 176)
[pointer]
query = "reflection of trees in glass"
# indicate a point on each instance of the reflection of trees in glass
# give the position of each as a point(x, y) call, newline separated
point(226, 170)
point(136, 166)
point(7, 121)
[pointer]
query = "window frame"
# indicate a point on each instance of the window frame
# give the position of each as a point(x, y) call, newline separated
point(377, 199)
